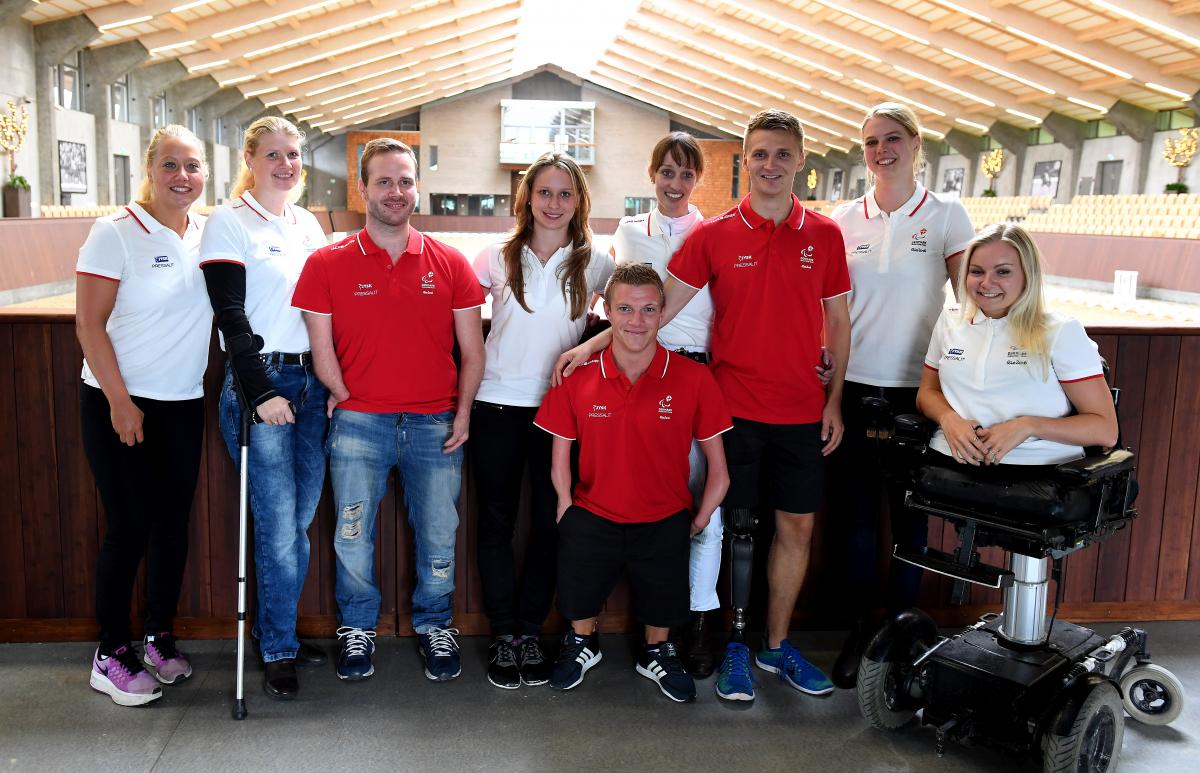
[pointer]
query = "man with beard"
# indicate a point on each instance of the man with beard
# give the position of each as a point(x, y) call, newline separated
point(384, 309)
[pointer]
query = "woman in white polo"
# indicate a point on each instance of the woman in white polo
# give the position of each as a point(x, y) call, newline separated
point(676, 165)
point(1007, 382)
point(902, 243)
point(252, 254)
point(144, 322)
point(542, 281)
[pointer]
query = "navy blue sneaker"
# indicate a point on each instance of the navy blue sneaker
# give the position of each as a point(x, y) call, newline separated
point(661, 663)
point(793, 669)
point(354, 663)
point(439, 648)
point(578, 654)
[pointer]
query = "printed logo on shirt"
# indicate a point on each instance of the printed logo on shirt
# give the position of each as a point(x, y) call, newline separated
point(275, 250)
point(366, 288)
point(806, 258)
point(427, 285)
point(955, 354)
point(599, 412)
point(1016, 356)
point(862, 249)
point(919, 243)
point(745, 261)
point(664, 408)
point(162, 261)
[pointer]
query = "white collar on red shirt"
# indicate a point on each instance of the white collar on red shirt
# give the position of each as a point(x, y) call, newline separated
point(147, 221)
point(910, 207)
point(289, 214)
point(794, 220)
point(415, 246)
point(609, 369)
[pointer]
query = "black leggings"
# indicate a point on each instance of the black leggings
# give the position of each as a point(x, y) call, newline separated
point(147, 492)
point(503, 441)
point(856, 489)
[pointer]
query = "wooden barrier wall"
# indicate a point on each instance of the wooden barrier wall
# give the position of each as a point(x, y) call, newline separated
point(51, 521)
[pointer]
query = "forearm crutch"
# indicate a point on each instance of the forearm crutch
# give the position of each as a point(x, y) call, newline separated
point(245, 418)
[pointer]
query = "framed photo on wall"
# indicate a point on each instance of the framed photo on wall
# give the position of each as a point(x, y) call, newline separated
point(72, 167)
point(836, 185)
point(952, 180)
point(1045, 178)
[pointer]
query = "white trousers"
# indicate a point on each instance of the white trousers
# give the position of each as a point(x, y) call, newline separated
point(705, 561)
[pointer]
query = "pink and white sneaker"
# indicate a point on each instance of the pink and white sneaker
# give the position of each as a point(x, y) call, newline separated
point(170, 665)
point(122, 678)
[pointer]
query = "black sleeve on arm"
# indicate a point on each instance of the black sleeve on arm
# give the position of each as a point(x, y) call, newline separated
point(226, 283)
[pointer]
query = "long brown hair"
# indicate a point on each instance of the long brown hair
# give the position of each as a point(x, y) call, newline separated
point(572, 275)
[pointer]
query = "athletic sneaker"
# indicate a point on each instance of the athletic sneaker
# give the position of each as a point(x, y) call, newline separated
point(793, 669)
point(661, 663)
point(734, 682)
point(170, 665)
point(121, 677)
point(578, 654)
point(358, 645)
point(502, 664)
point(531, 659)
point(439, 648)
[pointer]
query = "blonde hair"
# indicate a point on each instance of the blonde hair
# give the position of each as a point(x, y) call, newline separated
point(145, 187)
point(1027, 316)
point(903, 115)
point(775, 120)
point(268, 124)
point(572, 274)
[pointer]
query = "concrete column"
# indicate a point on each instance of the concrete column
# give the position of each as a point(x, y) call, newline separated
point(1071, 133)
point(148, 82)
point(1015, 140)
point(11, 9)
point(54, 42)
point(100, 69)
point(1139, 124)
point(970, 147)
point(188, 94)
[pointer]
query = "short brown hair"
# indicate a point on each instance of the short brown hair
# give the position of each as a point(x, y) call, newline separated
point(774, 119)
point(635, 275)
point(683, 149)
point(378, 147)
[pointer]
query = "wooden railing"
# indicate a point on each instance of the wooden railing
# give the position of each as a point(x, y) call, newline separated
point(51, 520)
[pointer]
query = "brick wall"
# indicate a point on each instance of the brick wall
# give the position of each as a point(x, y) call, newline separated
point(714, 194)
point(354, 140)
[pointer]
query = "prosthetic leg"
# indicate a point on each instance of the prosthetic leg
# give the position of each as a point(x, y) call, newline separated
point(740, 523)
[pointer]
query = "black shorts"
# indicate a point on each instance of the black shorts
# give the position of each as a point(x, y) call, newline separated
point(592, 551)
point(783, 461)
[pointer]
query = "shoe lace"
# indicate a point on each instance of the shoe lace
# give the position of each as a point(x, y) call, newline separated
point(127, 660)
point(165, 644)
point(791, 659)
point(668, 658)
point(503, 653)
point(736, 664)
point(573, 646)
point(531, 651)
point(357, 641)
point(442, 642)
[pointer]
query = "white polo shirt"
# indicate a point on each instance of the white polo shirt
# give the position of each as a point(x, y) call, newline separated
point(273, 250)
point(522, 347)
point(897, 268)
point(985, 377)
point(646, 238)
point(161, 320)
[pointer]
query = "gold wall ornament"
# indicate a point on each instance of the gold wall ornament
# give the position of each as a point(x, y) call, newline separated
point(812, 179)
point(1177, 152)
point(993, 164)
point(13, 128)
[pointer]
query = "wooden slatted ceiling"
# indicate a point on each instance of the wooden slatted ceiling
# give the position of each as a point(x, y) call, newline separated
point(972, 59)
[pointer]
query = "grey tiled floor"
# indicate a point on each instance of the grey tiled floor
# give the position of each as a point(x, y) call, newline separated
point(397, 721)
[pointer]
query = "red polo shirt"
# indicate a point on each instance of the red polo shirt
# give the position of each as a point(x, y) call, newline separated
point(393, 325)
point(767, 285)
point(634, 439)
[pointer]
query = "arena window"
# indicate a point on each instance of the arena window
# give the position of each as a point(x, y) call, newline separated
point(636, 205)
point(118, 97)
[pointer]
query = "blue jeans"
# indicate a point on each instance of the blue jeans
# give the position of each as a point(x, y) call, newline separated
point(363, 448)
point(287, 471)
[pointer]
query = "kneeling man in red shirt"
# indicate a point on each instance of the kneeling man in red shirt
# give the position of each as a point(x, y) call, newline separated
point(634, 409)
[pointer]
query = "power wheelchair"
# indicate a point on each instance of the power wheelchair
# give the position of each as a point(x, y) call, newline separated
point(1019, 680)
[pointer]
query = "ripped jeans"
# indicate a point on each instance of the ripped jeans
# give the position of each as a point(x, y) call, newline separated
point(363, 448)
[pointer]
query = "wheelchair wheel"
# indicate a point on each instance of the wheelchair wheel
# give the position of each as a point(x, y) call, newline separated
point(1152, 695)
point(1093, 742)
point(878, 689)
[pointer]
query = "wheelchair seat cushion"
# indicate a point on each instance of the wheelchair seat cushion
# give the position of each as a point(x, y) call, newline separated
point(1024, 494)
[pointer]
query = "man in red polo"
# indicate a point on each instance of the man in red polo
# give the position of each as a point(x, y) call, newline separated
point(384, 309)
point(634, 411)
point(779, 284)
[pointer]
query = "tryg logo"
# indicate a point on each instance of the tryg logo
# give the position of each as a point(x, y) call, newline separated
point(745, 261)
point(274, 250)
point(162, 261)
point(806, 258)
point(664, 408)
point(955, 354)
point(427, 285)
point(862, 249)
point(919, 242)
point(366, 288)
point(599, 412)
